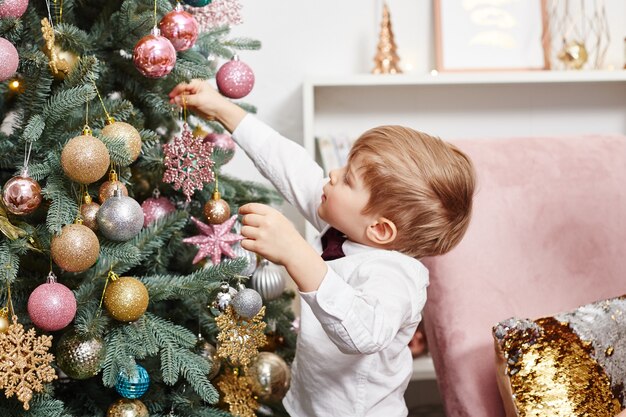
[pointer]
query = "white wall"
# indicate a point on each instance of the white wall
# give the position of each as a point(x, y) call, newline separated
point(330, 37)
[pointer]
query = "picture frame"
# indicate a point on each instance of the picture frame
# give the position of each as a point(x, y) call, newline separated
point(482, 35)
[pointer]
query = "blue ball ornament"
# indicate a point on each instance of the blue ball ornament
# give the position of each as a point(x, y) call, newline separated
point(197, 3)
point(135, 386)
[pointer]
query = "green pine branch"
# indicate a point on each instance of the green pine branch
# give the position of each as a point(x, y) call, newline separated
point(118, 151)
point(243, 44)
point(63, 208)
point(34, 128)
point(173, 287)
point(65, 101)
point(146, 242)
point(9, 263)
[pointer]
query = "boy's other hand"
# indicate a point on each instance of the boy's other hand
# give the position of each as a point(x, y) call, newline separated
point(269, 233)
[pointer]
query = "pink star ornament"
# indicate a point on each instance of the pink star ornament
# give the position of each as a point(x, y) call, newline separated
point(214, 240)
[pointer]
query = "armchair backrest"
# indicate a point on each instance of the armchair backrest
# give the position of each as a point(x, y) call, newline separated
point(548, 234)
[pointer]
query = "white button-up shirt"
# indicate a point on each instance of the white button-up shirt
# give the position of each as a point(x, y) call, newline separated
point(352, 356)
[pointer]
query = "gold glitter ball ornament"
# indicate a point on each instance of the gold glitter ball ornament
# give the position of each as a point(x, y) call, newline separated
point(85, 159)
point(76, 249)
point(216, 210)
point(126, 299)
point(270, 377)
point(24, 363)
point(127, 133)
point(125, 407)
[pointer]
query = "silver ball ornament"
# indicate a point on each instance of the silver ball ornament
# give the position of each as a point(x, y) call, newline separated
point(268, 280)
point(247, 303)
point(120, 218)
point(249, 256)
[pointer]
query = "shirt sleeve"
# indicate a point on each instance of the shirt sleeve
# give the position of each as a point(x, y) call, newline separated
point(367, 318)
point(287, 165)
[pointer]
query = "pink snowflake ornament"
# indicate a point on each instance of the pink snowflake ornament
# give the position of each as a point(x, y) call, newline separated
point(188, 163)
point(214, 240)
point(217, 13)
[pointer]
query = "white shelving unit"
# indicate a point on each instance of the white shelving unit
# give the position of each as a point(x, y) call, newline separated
point(464, 105)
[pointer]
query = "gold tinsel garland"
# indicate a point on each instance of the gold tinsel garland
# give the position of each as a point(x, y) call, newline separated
point(24, 362)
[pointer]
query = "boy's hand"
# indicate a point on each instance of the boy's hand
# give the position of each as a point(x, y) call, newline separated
point(207, 102)
point(270, 234)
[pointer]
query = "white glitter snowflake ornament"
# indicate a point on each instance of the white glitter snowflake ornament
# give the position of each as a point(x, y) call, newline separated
point(217, 13)
point(188, 163)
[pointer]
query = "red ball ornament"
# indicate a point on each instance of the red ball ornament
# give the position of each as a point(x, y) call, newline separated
point(13, 8)
point(235, 79)
point(52, 306)
point(180, 27)
point(154, 55)
point(21, 195)
point(156, 207)
point(222, 141)
point(8, 59)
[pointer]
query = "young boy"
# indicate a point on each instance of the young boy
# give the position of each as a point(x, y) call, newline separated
point(403, 195)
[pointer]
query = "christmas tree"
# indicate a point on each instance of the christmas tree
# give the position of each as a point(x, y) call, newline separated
point(124, 291)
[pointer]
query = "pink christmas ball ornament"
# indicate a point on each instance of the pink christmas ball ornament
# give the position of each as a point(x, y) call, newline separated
point(180, 27)
point(21, 195)
point(154, 55)
point(235, 79)
point(52, 306)
point(8, 59)
point(155, 208)
point(13, 8)
point(222, 141)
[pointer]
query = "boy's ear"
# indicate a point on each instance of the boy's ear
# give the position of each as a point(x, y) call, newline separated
point(382, 232)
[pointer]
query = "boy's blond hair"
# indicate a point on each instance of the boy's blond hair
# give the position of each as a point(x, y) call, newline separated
point(421, 183)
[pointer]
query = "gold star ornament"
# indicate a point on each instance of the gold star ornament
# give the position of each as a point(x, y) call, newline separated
point(24, 362)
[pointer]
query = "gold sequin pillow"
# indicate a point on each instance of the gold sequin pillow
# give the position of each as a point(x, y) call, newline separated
point(572, 364)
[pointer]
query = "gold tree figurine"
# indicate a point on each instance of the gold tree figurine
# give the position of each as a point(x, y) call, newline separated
point(386, 58)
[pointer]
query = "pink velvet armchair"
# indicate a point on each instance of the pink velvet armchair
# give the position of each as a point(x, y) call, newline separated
point(548, 234)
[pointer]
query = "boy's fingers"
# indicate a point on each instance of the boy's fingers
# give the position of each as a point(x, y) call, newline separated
point(251, 219)
point(248, 244)
point(250, 232)
point(179, 89)
point(189, 100)
point(257, 208)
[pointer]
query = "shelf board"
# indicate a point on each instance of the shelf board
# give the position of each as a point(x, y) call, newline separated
point(451, 78)
point(423, 369)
